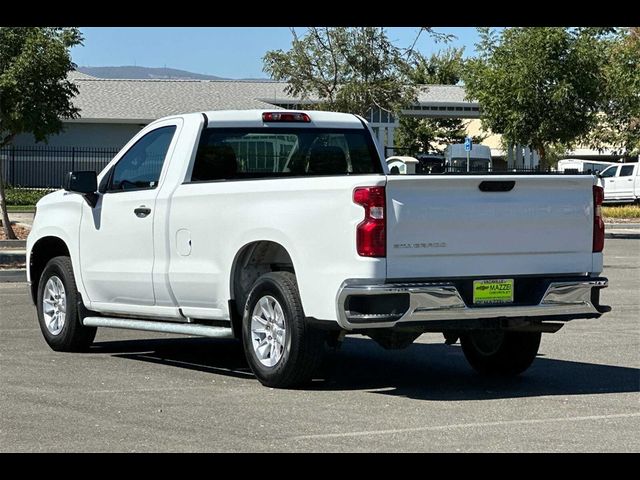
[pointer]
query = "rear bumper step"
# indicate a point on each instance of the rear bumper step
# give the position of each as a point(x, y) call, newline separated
point(164, 327)
point(441, 301)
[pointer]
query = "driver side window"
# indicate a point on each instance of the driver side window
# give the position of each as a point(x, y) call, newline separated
point(140, 167)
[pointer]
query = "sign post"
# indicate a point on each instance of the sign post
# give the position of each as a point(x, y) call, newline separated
point(468, 145)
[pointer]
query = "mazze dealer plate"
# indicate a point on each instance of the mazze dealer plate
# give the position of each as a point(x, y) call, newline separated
point(493, 291)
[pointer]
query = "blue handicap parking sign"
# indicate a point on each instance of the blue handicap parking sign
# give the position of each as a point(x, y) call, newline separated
point(467, 144)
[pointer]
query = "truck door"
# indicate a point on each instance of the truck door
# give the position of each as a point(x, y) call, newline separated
point(609, 183)
point(116, 237)
point(624, 181)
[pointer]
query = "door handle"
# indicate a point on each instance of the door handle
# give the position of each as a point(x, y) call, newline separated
point(142, 211)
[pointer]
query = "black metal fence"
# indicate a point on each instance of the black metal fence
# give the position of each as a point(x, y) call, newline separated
point(462, 169)
point(45, 167)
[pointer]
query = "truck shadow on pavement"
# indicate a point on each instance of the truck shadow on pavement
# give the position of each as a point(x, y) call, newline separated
point(422, 371)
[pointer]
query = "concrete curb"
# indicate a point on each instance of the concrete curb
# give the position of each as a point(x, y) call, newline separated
point(12, 256)
point(625, 235)
point(622, 226)
point(13, 275)
point(13, 244)
point(622, 230)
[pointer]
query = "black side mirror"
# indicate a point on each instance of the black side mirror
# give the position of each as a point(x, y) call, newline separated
point(83, 182)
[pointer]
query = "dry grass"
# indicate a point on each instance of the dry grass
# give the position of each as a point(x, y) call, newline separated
point(624, 212)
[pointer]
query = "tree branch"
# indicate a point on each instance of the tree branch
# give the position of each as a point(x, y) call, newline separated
point(7, 140)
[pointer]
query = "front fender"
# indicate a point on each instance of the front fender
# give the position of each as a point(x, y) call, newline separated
point(58, 215)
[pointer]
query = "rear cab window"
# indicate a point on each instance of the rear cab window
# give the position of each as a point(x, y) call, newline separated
point(248, 153)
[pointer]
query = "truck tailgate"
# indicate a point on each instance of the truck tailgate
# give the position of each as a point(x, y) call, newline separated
point(445, 226)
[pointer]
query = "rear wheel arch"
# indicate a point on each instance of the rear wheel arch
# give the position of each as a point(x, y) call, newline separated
point(251, 262)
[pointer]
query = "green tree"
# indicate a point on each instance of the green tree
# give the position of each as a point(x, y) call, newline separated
point(618, 125)
point(34, 91)
point(348, 69)
point(553, 153)
point(431, 134)
point(442, 68)
point(538, 86)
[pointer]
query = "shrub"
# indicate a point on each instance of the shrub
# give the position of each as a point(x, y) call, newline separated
point(24, 196)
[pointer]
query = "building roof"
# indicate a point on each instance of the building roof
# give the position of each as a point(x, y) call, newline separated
point(76, 75)
point(146, 100)
point(442, 94)
point(142, 101)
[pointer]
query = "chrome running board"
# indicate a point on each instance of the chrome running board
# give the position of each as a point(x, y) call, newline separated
point(163, 327)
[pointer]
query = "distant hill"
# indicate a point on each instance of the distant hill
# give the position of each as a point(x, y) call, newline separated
point(147, 73)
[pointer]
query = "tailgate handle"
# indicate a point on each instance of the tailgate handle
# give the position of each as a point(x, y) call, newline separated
point(497, 186)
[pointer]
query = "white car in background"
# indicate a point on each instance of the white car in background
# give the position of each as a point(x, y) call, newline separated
point(579, 165)
point(402, 165)
point(455, 157)
point(622, 183)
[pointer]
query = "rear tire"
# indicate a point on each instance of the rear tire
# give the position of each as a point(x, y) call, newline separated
point(58, 308)
point(282, 349)
point(498, 352)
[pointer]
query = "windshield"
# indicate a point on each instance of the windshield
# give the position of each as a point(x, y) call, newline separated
point(228, 153)
point(609, 172)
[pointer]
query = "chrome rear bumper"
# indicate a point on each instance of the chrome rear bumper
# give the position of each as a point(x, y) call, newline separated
point(441, 301)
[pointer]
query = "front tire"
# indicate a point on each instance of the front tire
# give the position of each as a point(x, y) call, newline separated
point(498, 352)
point(282, 349)
point(58, 308)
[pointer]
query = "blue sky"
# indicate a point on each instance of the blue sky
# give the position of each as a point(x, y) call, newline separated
point(232, 52)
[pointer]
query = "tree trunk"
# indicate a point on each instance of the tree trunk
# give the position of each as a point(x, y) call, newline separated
point(539, 147)
point(6, 224)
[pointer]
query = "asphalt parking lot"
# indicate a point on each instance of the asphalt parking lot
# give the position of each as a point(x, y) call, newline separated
point(138, 392)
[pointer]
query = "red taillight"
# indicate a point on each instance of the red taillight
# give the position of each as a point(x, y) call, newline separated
point(598, 222)
point(371, 232)
point(285, 117)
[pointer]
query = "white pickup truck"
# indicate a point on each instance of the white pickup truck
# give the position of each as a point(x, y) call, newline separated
point(621, 183)
point(284, 230)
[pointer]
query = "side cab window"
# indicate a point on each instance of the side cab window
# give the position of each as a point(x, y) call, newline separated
point(140, 167)
point(626, 170)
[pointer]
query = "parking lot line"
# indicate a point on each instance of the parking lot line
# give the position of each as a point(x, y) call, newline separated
point(467, 425)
